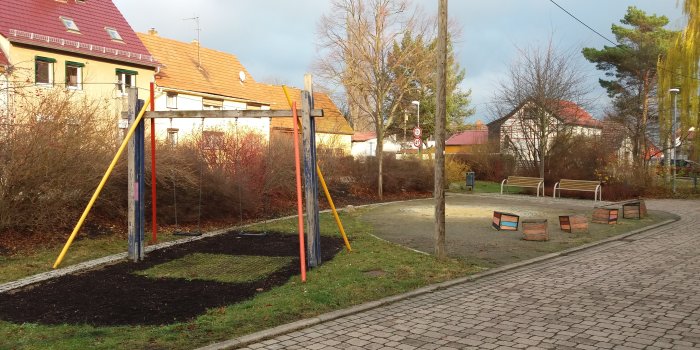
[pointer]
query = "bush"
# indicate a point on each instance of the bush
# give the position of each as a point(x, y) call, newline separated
point(400, 175)
point(487, 164)
point(51, 159)
point(575, 158)
point(455, 170)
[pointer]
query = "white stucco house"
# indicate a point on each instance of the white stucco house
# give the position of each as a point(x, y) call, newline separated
point(364, 144)
point(517, 132)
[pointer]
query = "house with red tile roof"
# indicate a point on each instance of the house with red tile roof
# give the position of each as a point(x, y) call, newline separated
point(82, 47)
point(364, 144)
point(517, 131)
point(193, 77)
point(466, 142)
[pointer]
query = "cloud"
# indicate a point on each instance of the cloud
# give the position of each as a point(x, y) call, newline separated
point(277, 38)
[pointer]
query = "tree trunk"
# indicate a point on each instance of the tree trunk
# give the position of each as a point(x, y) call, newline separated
point(380, 161)
point(645, 117)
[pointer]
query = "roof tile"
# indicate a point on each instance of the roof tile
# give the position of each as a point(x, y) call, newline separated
point(469, 137)
point(37, 22)
point(184, 66)
point(333, 121)
point(3, 59)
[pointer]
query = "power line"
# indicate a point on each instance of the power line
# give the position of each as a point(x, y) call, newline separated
point(624, 47)
point(584, 24)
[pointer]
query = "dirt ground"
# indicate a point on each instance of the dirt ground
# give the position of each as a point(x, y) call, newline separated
point(470, 236)
point(115, 295)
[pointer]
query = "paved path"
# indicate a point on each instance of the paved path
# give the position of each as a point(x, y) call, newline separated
point(639, 293)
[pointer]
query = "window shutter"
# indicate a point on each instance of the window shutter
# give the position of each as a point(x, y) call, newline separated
point(211, 102)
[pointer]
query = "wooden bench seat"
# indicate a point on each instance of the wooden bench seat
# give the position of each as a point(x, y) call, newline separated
point(523, 181)
point(578, 185)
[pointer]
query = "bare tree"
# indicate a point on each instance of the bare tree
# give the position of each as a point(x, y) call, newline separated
point(542, 89)
point(357, 40)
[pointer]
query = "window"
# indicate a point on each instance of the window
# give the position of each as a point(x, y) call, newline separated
point(210, 104)
point(43, 70)
point(171, 100)
point(70, 24)
point(125, 80)
point(113, 34)
point(212, 140)
point(172, 136)
point(74, 75)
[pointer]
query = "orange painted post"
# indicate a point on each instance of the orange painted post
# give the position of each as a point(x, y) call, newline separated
point(154, 210)
point(300, 210)
point(323, 182)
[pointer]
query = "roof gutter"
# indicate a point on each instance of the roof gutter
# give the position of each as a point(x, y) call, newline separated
point(213, 96)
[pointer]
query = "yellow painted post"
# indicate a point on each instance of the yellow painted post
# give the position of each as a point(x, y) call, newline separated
point(335, 212)
point(325, 188)
point(132, 128)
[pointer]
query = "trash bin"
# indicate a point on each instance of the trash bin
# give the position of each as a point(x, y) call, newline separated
point(470, 181)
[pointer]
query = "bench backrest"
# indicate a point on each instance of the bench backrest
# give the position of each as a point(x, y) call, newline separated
point(524, 181)
point(580, 185)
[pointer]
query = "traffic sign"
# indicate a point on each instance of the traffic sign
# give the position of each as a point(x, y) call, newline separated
point(417, 132)
point(417, 142)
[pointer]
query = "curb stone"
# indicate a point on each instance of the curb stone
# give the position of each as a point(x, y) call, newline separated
point(329, 316)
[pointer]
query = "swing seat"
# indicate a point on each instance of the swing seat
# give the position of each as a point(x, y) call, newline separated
point(187, 234)
point(252, 234)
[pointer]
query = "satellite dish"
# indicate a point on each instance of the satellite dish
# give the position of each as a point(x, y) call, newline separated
point(241, 75)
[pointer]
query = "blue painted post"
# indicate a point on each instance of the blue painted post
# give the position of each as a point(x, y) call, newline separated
point(313, 233)
point(141, 174)
point(135, 183)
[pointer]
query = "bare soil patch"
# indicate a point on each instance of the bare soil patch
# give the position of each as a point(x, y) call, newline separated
point(116, 295)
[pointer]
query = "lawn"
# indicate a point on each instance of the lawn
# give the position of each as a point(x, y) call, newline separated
point(483, 187)
point(374, 269)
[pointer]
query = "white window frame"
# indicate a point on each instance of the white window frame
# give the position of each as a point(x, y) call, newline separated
point(50, 64)
point(69, 23)
point(113, 34)
point(79, 75)
point(122, 74)
point(171, 100)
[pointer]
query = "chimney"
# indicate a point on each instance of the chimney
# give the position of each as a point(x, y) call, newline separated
point(153, 31)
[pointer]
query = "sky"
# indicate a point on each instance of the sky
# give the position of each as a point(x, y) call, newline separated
point(276, 39)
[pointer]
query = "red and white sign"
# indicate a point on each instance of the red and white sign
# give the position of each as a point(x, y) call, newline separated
point(417, 132)
point(417, 142)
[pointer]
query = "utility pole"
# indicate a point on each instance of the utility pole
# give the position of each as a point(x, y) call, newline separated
point(440, 120)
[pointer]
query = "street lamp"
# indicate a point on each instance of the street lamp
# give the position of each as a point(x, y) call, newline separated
point(674, 92)
point(417, 103)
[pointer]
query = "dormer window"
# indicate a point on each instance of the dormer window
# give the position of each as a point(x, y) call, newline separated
point(70, 24)
point(113, 34)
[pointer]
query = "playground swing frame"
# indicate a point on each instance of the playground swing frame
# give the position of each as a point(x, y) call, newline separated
point(137, 171)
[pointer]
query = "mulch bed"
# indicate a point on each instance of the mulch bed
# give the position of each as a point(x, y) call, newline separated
point(114, 295)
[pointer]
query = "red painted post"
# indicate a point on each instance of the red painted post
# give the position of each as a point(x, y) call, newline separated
point(154, 211)
point(300, 210)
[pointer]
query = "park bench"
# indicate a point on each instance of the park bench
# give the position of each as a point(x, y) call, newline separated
point(522, 181)
point(578, 185)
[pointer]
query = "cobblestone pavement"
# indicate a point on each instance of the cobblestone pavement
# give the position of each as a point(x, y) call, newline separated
point(639, 293)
